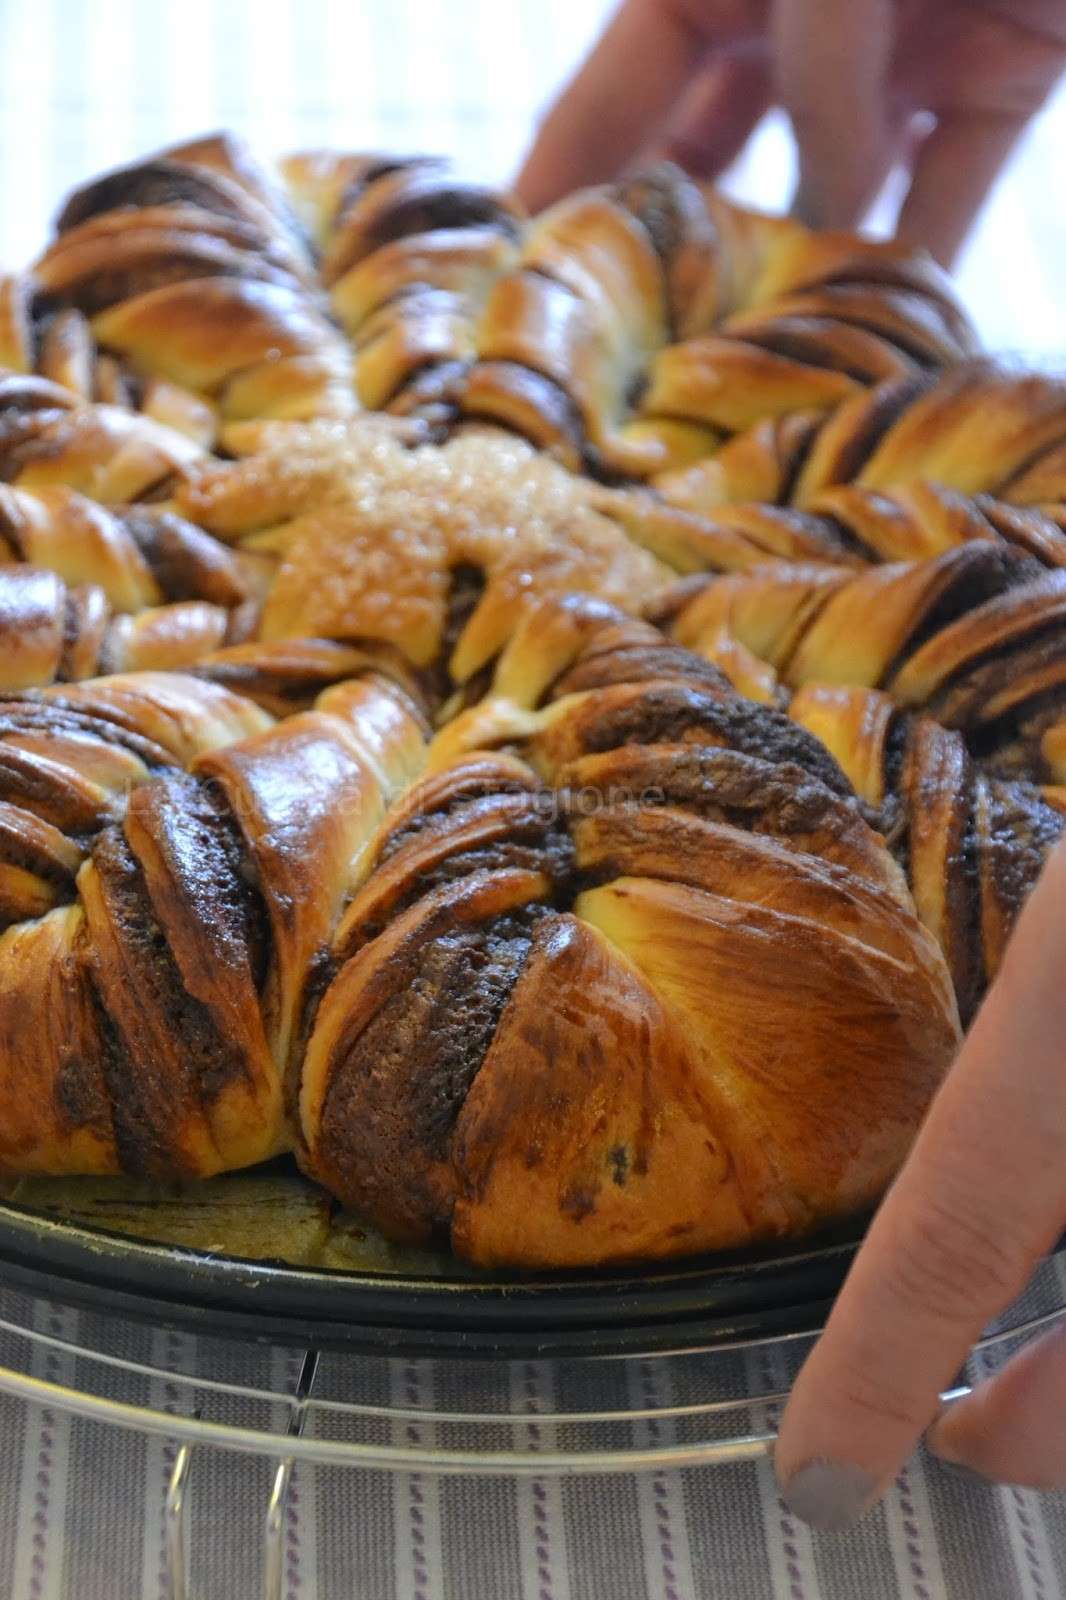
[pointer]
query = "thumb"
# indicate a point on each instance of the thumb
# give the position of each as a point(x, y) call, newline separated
point(1010, 1429)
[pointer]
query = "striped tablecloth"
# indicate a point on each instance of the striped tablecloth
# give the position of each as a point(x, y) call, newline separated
point(82, 1505)
point(85, 84)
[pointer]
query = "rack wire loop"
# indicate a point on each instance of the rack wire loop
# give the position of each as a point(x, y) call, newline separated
point(295, 1443)
point(274, 1528)
point(317, 1407)
point(176, 1531)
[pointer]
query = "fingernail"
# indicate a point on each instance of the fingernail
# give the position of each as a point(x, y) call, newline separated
point(828, 1495)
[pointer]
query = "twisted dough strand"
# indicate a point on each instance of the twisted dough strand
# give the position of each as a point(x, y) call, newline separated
point(181, 286)
point(182, 862)
point(643, 324)
point(547, 1032)
point(977, 428)
point(977, 637)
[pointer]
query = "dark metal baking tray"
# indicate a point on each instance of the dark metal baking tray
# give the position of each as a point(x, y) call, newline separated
point(687, 1304)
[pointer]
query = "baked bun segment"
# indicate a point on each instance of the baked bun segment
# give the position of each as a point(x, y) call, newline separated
point(641, 983)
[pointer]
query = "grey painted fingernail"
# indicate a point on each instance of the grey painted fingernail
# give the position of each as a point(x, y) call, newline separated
point(828, 1495)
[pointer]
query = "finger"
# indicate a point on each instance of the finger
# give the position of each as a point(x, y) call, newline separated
point(1010, 1429)
point(832, 62)
point(979, 1201)
point(717, 116)
point(955, 167)
point(619, 98)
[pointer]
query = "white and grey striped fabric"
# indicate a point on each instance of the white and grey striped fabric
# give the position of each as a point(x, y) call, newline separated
point(82, 1505)
point(88, 83)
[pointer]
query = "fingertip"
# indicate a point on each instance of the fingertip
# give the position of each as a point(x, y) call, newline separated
point(941, 1442)
point(830, 1496)
point(1008, 1430)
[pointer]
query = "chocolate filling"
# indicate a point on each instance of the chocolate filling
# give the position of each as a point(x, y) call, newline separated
point(891, 819)
point(665, 610)
point(1010, 746)
point(229, 878)
point(398, 1087)
point(187, 563)
point(640, 663)
point(536, 843)
point(430, 391)
point(884, 407)
point(851, 541)
point(453, 803)
point(960, 934)
point(98, 290)
point(25, 438)
point(977, 573)
point(447, 205)
point(28, 711)
point(965, 951)
point(375, 168)
point(73, 621)
point(21, 848)
point(656, 198)
point(1021, 831)
point(535, 392)
point(810, 341)
point(466, 587)
point(78, 1091)
point(794, 439)
point(674, 714)
point(149, 183)
point(152, 1089)
point(52, 794)
point(748, 793)
point(961, 698)
point(911, 343)
point(554, 858)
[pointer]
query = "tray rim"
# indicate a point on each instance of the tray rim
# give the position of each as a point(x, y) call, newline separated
point(736, 1296)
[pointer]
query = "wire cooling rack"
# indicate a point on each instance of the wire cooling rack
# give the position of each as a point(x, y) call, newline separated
point(707, 1408)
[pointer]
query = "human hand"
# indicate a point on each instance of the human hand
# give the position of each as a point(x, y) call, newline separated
point(981, 1199)
point(944, 86)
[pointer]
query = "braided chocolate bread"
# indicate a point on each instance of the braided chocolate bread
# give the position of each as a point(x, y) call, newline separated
point(550, 1032)
point(629, 329)
point(171, 864)
point(541, 1025)
point(345, 808)
point(973, 800)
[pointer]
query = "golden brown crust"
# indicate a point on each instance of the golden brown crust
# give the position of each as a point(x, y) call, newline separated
point(172, 909)
point(588, 915)
point(977, 635)
point(510, 986)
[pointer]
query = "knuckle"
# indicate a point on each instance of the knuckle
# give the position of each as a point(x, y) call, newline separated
point(953, 1258)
